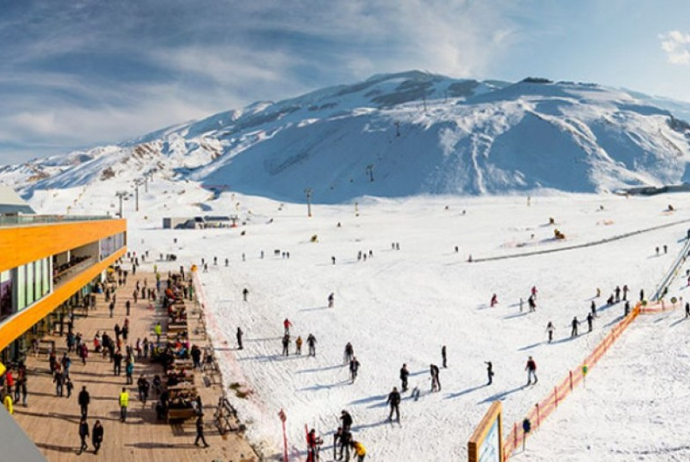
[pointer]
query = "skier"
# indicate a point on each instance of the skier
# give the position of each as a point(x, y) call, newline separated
point(286, 344)
point(532, 304)
point(239, 338)
point(287, 324)
point(626, 311)
point(349, 353)
point(489, 371)
point(574, 323)
point(331, 300)
point(590, 319)
point(443, 356)
point(618, 294)
point(394, 402)
point(354, 368)
point(311, 341)
point(435, 382)
point(531, 369)
point(593, 308)
point(550, 330)
point(641, 294)
point(245, 292)
point(625, 291)
point(298, 345)
point(494, 300)
point(404, 374)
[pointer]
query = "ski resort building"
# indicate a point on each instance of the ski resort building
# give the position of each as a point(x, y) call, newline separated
point(49, 266)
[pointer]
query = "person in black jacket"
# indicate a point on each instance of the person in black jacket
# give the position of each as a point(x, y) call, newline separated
point(404, 374)
point(346, 419)
point(97, 436)
point(394, 402)
point(84, 400)
point(83, 434)
point(200, 431)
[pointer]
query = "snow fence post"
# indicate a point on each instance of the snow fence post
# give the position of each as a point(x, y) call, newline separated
point(538, 416)
point(571, 380)
point(515, 439)
point(555, 392)
point(283, 418)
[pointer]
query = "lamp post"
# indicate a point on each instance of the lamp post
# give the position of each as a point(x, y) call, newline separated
point(308, 192)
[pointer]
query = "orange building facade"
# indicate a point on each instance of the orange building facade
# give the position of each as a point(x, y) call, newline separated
point(49, 266)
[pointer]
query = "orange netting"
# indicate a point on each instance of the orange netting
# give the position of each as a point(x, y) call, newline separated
point(544, 408)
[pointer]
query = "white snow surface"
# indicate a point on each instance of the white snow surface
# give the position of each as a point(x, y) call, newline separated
point(402, 306)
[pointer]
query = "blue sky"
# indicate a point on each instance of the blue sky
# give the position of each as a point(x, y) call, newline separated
point(78, 73)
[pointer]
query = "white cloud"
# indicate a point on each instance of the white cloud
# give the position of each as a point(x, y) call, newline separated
point(677, 47)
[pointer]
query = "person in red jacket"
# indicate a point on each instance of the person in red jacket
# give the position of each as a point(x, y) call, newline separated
point(287, 324)
point(531, 369)
point(314, 442)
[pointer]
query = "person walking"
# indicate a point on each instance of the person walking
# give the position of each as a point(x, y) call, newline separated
point(489, 371)
point(531, 369)
point(349, 353)
point(574, 323)
point(354, 368)
point(129, 371)
point(286, 345)
point(394, 402)
point(435, 381)
point(84, 399)
point(404, 375)
point(97, 436)
point(245, 293)
point(83, 434)
point(239, 338)
point(550, 330)
point(200, 431)
point(311, 342)
point(158, 330)
point(128, 305)
point(124, 403)
point(298, 345)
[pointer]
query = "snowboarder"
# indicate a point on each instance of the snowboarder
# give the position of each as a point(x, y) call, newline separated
point(590, 320)
point(435, 382)
point(550, 330)
point(531, 369)
point(287, 324)
point(298, 345)
point(394, 402)
point(286, 344)
point(489, 372)
point(239, 338)
point(354, 368)
point(444, 357)
point(331, 300)
point(574, 323)
point(349, 353)
point(245, 292)
point(404, 374)
point(311, 341)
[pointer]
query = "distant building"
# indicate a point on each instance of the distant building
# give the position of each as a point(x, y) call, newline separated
point(217, 222)
point(12, 204)
point(174, 222)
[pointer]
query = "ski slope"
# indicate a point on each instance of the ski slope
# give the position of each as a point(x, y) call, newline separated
point(402, 305)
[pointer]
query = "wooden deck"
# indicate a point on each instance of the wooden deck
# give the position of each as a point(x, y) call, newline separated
point(52, 422)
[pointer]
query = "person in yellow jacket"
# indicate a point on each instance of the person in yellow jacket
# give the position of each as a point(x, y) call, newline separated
point(7, 401)
point(360, 451)
point(124, 402)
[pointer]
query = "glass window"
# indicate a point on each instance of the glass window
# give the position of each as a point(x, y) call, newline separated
point(5, 294)
point(30, 283)
point(21, 288)
point(46, 275)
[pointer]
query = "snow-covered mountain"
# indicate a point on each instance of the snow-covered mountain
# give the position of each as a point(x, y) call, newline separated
point(401, 135)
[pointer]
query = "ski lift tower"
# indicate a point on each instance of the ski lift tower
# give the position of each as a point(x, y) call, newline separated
point(121, 195)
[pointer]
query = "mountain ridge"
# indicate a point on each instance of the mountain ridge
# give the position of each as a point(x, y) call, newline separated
point(401, 134)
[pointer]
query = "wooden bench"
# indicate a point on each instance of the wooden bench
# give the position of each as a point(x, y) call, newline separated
point(181, 414)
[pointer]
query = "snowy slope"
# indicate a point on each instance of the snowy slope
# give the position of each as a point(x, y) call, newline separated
point(411, 133)
point(402, 306)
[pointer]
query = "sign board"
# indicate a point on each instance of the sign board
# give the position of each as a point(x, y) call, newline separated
point(485, 445)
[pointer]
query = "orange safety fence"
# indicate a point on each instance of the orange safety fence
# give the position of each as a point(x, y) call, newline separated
point(544, 408)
